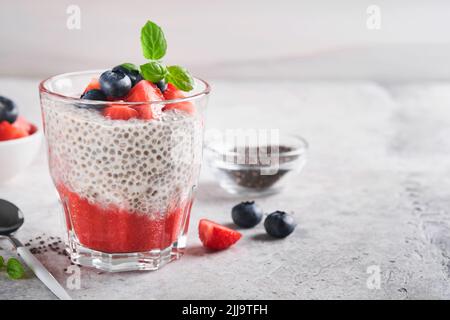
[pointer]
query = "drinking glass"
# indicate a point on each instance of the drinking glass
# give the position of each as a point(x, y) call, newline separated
point(126, 187)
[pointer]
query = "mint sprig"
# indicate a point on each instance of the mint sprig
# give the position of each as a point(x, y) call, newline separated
point(154, 47)
point(180, 78)
point(153, 71)
point(130, 66)
point(15, 269)
point(153, 42)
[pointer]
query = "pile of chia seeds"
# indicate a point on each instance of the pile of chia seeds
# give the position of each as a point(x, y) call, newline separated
point(249, 174)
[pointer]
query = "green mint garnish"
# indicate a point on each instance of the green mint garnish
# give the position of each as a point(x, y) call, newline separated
point(154, 47)
point(130, 66)
point(153, 71)
point(153, 42)
point(2, 262)
point(14, 269)
point(180, 78)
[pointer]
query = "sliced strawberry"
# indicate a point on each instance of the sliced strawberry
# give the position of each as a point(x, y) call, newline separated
point(22, 123)
point(94, 84)
point(10, 132)
point(119, 112)
point(215, 236)
point(173, 93)
point(145, 91)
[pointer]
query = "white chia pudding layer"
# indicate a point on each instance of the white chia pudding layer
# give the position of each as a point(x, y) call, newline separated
point(144, 167)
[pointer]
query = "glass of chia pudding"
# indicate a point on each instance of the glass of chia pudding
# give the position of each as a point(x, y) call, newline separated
point(125, 169)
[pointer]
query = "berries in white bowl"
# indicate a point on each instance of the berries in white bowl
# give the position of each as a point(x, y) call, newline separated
point(20, 140)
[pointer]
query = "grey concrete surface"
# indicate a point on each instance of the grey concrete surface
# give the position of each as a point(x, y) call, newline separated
point(373, 196)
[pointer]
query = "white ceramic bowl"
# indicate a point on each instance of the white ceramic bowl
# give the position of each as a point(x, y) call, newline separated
point(16, 155)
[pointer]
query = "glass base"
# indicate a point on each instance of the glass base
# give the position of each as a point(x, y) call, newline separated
point(234, 189)
point(117, 262)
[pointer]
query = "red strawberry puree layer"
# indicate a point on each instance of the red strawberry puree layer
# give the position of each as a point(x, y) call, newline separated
point(113, 230)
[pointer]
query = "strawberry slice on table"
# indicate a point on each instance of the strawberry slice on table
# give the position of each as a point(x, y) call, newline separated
point(10, 132)
point(94, 84)
point(215, 236)
point(173, 93)
point(120, 112)
point(145, 91)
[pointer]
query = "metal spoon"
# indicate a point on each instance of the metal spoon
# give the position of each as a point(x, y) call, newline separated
point(11, 219)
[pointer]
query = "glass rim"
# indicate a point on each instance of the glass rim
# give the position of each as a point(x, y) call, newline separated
point(44, 89)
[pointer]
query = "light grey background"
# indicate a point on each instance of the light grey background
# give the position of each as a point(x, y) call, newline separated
point(375, 189)
point(292, 39)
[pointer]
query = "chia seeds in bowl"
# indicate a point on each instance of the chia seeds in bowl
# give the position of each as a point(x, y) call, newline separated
point(258, 169)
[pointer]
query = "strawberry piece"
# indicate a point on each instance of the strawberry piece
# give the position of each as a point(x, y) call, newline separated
point(22, 123)
point(10, 132)
point(145, 91)
point(94, 84)
point(215, 236)
point(173, 93)
point(119, 112)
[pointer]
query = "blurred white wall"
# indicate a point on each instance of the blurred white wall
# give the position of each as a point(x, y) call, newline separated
point(233, 39)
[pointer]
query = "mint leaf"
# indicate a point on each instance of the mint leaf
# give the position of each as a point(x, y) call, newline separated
point(2, 262)
point(14, 269)
point(153, 71)
point(153, 42)
point(180, 78)
point(130, 66)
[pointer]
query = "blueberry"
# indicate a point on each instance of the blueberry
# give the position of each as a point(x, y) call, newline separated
point(246, 214)
point(162, 85)
point(94, 94)
point(279, 224)
point(8, 110)
point(115, 84)
point(134, 75)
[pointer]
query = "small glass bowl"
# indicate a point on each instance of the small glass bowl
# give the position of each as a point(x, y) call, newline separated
point(255, 169)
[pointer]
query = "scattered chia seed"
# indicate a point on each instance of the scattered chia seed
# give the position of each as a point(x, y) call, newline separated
point(50, 244)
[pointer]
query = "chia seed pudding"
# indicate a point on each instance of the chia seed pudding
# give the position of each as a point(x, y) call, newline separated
point(126, 186)
point(124, 150)
point(143, 167)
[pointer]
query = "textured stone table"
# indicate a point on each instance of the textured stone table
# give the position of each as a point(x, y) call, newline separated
point(374, 195)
